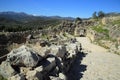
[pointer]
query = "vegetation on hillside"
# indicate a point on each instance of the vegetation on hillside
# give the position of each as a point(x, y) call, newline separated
point(13, 22)
point(14, 26)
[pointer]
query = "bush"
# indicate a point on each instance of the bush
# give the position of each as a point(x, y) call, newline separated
point(100, 29)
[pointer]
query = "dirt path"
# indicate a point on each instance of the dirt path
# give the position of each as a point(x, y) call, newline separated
point(101, 65)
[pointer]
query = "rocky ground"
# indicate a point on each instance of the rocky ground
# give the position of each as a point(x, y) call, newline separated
point(100, 64)
point(42, 61)
point(91, 63)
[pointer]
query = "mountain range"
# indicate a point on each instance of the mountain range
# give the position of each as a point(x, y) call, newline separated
point(24, 17)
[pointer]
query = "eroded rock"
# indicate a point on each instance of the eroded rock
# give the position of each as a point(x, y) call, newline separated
point(34, 75)
point(6, 70)
point(23, 56)
point(17, 77)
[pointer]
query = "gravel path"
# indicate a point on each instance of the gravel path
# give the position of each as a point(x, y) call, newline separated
point(101, 65)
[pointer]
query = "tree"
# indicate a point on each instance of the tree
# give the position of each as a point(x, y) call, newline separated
point(101, 14)
point(94, 16)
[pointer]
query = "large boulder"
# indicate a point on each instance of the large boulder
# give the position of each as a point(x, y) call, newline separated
point(6, 70)
point(23, 56)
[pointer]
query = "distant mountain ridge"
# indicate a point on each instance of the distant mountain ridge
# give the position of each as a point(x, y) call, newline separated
point(20, 21)
point(112, 14)
point(21, 16)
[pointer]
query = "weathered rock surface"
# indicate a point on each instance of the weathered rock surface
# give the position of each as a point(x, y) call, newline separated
point(58, 50)
point(62, 76)
point(24, 70)
point(23, 56)
point(33, 75)
point(6, 70)
point(72, 49)
point(54, 78)
point(17, 77)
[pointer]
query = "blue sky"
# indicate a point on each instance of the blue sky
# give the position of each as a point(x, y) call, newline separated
point(65, 8)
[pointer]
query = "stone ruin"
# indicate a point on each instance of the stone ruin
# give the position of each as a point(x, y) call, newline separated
point(51, 62)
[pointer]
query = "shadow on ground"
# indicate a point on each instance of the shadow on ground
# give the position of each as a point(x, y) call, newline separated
point(76, 70)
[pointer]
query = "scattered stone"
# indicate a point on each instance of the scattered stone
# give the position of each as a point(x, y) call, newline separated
point(39, 69)
point(6, 70)
point(24, 70)
point(30, 37)
point(54, 78)
point(51, 59)
point(43, 43)
point(62, 76)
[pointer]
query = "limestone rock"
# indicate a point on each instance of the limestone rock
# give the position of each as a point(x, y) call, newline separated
point(54, 78)
point(6, 70)
point(23, 56)
point(78, 46)
point(30, 37)
point(17, 77)
point(51, 59)
point(59, 51)
point(24, 70)
point(34, 75)
point(62, 76)
point(43, 43)
point(72, 49)
point(43, 51)
point(39, 69)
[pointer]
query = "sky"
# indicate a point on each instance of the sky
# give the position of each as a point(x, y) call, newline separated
point(64, 8)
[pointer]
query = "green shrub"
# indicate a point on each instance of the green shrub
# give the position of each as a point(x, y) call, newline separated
point(100, 29)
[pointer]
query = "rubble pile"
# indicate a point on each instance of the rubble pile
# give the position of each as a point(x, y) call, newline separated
point(50, 63)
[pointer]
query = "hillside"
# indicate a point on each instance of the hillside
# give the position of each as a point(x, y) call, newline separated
point(13, 21)
point(106, 32)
